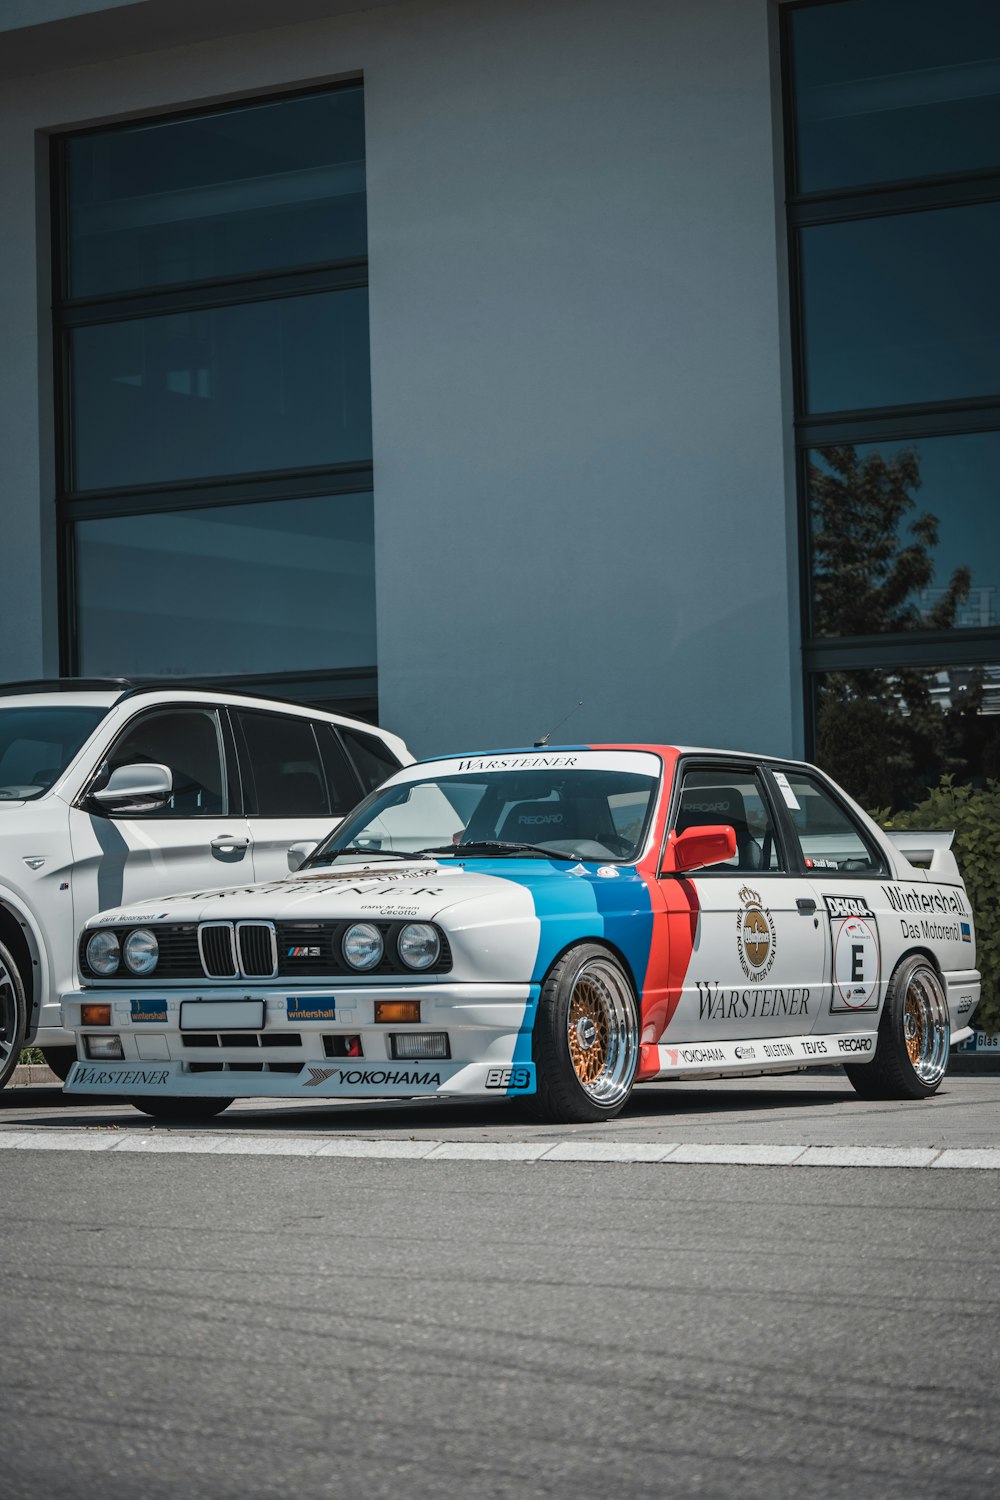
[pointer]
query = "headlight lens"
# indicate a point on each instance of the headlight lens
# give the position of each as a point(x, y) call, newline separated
point(104, 953)
point(362, 945)
point(419, 945)
point(141, 951)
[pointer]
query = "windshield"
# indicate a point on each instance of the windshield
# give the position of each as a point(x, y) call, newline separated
point(37, 744)
point(583, 813)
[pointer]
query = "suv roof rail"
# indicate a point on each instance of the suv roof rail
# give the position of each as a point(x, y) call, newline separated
point(65, 685)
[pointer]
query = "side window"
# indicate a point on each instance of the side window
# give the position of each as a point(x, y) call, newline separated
point(725, 794)
point(373, 759)
point(830, 838)
point(187, 740)
point(286, 772)
point(341, 778)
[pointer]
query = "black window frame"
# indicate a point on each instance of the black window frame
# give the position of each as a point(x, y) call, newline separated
point(353, 690)
point(770, 798)
point(830, 788)
point(902, 424)
point(230, 766)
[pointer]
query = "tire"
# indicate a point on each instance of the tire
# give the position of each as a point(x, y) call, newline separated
point(586, 1039)
point(60, 1060)
point(914, 1034)
point(13, 1014)
point(180, 1109)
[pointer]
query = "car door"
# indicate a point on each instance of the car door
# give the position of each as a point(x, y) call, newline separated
point(199, 839)
point(758, 958)
point(847, 875)
point(297, 783)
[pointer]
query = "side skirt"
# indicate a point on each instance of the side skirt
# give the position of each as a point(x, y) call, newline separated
point(712, 1059)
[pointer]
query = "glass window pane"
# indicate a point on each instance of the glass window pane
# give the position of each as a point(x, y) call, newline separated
point(902, 309)
point(725, 795)
point(188, 742)
point(895, 88)
point(259, 188)
point(371, 756)
point(37, 744)
point(888, 735)
point(828, 837)
point(340, 775)
point(284, 766)
point(906, 536)
point(228, 390)
point(276, 587)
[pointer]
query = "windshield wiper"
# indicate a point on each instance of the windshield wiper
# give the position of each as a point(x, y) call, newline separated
point(329, 855)
point(498, 846)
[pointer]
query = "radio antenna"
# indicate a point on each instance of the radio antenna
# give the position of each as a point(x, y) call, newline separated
point(540, 744)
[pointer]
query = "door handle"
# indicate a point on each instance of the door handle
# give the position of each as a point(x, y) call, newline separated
point(806, 905)
point(229, 843)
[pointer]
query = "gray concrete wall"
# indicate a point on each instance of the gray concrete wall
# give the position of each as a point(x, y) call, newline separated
point(576, 354)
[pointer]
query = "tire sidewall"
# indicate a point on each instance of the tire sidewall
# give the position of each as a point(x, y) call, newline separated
point(13, 973)
point(892, 1034)
point(557, 1080)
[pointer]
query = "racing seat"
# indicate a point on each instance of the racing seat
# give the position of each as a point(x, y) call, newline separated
point(535, 822)
point(707, 805)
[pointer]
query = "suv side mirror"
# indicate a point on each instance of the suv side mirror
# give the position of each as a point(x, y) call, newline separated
point(697, 847)
point(140, 788)
point(298, 854)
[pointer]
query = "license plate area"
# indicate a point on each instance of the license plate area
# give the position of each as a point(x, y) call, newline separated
point(222, 1015)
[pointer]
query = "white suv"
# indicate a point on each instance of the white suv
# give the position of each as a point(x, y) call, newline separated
point(111, 793)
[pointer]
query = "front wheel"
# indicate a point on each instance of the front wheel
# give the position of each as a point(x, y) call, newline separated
point(586, 1038)
point(180, 1109)
point(13, 1014)
point(914, 1035)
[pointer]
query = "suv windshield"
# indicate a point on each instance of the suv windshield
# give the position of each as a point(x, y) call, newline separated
point(595, 814)
point(37, 744)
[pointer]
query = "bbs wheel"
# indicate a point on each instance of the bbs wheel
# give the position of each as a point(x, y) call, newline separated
point(586, 1038)
point(13, 1014)
point(914, 1035)
point(180, 1109)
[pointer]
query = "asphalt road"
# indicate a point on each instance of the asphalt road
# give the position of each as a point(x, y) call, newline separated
point(214, 1327)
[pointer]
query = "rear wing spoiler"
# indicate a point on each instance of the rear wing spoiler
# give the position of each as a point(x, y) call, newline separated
point(930, 851)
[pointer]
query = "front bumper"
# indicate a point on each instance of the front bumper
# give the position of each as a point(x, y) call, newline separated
point(285, 1045)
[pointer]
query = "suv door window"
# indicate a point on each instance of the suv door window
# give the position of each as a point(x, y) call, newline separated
point(373, 759)
point(341, 778)
point(283, 765)
point(727, 794)
point(189, 742)
point(829, 836)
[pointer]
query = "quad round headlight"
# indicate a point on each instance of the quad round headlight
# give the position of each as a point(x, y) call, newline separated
point(141, 951)
point(104, 953)
point(419, 945)
point(362, 945)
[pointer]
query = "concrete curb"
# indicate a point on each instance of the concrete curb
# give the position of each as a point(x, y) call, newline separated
point(26, 1075)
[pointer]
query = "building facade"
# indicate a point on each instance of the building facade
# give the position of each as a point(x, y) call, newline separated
point(481, 363)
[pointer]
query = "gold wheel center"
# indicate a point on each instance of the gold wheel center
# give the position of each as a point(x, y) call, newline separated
point(914, 1029)
point(587, 1024)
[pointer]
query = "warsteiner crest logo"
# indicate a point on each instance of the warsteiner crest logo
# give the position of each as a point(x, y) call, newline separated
point(756, 939)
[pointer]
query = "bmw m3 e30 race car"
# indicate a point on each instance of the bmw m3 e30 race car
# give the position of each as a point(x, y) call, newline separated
point(553, 924)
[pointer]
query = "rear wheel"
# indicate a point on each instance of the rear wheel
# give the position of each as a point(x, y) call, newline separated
point(180, 1109)
point(13, 1014)
point(914, 1035)
point(586, 1038)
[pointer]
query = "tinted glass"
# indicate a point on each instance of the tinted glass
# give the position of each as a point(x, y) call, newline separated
point(37, 744)
point(189, 743)
point(906, 537)
point(888, 735)
point(285, 767)
point(276, 587)
point(902, 309)
point(830, 840)
point(341, 778)
point(227, 390)
point(733, 797)
point(895, 88)
point(374, 762)
point(246, 190)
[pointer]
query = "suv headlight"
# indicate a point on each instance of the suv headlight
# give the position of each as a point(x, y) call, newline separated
point(104, 953)
point(141, 951)
point(419, 945)
point(362, 945)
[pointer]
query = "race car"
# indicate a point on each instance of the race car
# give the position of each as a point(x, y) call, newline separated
point(551, 924)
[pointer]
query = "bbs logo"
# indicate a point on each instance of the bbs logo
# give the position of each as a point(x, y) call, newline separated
point(508, 1078)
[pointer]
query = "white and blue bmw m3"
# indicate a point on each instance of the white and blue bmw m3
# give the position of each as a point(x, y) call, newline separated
point(553, 924)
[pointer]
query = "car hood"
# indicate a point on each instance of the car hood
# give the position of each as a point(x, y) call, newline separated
point(421, 891)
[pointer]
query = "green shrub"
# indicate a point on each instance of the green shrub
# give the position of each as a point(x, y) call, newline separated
point(31, 1055)
point(974, 813)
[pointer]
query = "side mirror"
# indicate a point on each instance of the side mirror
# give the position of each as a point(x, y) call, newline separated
point(697, 847)
point(142, 788)
point(298, 854)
